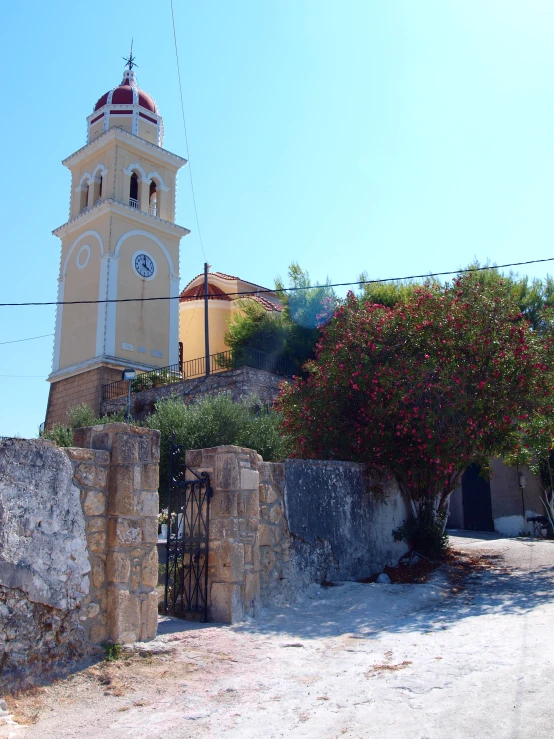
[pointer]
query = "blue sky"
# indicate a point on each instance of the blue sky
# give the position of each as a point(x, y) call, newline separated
point(397, 137)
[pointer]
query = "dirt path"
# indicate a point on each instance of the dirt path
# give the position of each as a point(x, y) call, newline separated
point(384, 661)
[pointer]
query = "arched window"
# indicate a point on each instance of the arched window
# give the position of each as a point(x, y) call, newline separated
point(153, 200)
point(84, 198)
point(133, 192)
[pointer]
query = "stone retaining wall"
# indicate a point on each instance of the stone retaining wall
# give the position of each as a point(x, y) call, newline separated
point(277, 528)
point(78, 558)
point(44, 565)
point(239, 383)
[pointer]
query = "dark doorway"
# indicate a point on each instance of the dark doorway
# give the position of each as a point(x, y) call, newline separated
point(476, 495)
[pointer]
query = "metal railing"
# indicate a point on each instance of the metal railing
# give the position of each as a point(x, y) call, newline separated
point(192, 368)
point(153, 210)
point(134, 203)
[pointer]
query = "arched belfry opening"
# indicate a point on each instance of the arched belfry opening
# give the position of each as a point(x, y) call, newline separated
point(153, 199)
point(134, 191)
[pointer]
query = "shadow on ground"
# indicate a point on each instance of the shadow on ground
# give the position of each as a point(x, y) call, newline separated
point(371, 610)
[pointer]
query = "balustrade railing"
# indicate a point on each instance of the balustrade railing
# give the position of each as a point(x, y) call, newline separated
point(134, 203)
point(193, 368)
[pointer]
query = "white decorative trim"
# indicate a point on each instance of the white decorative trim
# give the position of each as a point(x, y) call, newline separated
point(141, 277)
point(84, 235)
point(111, 308)
point(58, 329)
point(173, 349)
point(140, 232)
point(102, 307)
point(160, 183)
point(118, 133)
point(76, 369)
point(88, 177)
point(110, 204)
point(100, 168)
point(85, 249)
point(135, 167)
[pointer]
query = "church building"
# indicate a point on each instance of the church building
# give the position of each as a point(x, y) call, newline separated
point(226, 293)
point(120, 243)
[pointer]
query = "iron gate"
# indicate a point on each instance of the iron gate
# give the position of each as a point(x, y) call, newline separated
point(186, 576)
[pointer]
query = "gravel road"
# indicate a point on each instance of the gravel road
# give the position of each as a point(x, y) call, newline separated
point(441, 660)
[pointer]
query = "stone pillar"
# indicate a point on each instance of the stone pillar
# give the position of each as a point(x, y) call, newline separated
point(125, 558)
point(233, 561)
point(90, 475)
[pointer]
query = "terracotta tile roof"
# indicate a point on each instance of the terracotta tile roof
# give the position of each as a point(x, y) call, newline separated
point(267, 304)
point(228, 277)
point(224, 276)
point(197, 293)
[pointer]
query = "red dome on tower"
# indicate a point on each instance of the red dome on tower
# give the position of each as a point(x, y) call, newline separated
point(127, 93)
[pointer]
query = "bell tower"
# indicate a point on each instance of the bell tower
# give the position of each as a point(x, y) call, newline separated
point(121, 242)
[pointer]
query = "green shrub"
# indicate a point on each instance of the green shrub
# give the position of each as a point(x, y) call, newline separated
point(113, 651)
point(60, 434)
point(143, 382)
point(425, 534)
point(216, 421)
point(77, 417)
point(80, 416)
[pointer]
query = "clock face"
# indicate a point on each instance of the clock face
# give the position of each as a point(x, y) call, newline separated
point(144, 265)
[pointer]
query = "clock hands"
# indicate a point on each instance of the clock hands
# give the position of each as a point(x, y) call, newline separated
point(144, 265)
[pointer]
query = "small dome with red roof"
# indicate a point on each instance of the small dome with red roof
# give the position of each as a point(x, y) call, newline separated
point(127, 93)
point(128, 108)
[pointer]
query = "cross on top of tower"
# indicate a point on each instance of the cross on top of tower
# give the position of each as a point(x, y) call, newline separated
point(130, 60)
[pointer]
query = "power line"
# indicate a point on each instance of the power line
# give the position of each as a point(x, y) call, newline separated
point(287, 289)
point(185, 129)
point(16, 341)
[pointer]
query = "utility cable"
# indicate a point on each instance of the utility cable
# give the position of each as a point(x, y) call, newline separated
point(185, 129)
point(287, 289)
point(16, 341)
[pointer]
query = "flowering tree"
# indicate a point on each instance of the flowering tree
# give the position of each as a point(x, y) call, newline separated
point(422, 389)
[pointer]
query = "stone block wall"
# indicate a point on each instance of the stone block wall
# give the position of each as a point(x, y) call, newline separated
point(239, 383)
point(233, 560)
point(78, 558)
point(85, 387)
point(278, 574)
point(121, 511)
point(277, 528)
